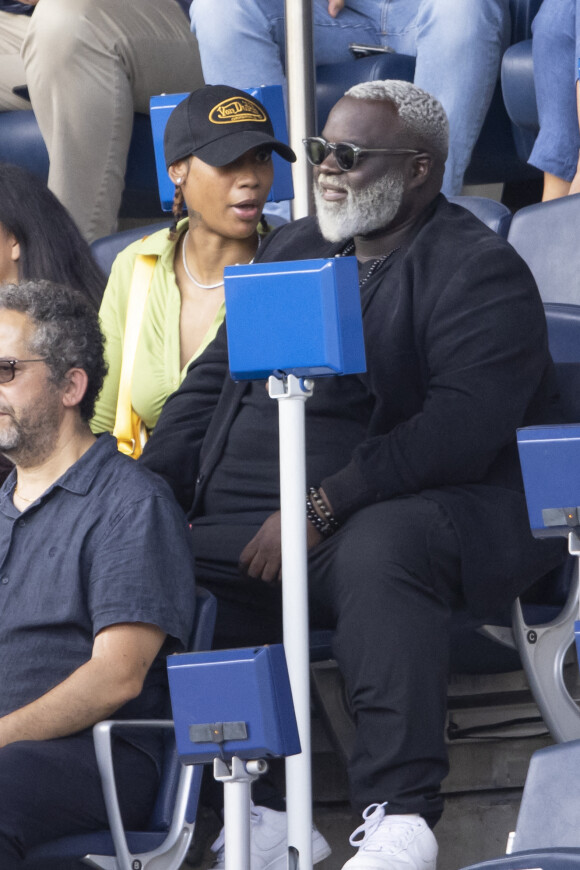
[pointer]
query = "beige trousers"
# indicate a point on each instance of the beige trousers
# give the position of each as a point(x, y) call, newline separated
point(89, 65)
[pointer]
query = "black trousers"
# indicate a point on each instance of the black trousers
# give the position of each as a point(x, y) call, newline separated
point(386, 582)
point(52, 788)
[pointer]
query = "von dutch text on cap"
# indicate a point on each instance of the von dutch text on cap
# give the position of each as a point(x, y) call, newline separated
point(236, 110)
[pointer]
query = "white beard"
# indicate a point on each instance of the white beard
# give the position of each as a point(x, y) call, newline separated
point(363, 211)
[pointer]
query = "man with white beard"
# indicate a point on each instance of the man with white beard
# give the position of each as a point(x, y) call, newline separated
point(414, 504)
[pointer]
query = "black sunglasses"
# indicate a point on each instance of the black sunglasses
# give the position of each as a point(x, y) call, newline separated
point(8, 368)
point(345, 154)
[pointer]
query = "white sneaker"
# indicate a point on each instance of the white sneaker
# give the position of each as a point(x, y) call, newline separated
point(269, 842)
point(392, 842)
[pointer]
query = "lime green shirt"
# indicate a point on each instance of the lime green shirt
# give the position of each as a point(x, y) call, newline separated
point(156, 373)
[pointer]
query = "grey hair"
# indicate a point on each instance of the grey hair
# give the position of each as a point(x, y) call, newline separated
point(421, 114)
point(66, 332)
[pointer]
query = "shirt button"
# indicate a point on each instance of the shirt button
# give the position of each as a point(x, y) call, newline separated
point(199, 479)
point(4, 580)
point(21, 523)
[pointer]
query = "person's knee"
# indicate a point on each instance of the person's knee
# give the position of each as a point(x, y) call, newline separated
point(230, 18)
point(68, 24)
point(374, 547)
point(463, 23)
point(403, 548)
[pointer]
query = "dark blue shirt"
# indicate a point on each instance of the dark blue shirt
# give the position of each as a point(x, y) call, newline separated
point(105, 544)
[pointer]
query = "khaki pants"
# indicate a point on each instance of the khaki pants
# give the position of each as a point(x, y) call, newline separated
point(89, 65)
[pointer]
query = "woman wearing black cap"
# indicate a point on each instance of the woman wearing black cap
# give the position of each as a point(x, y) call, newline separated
point(218, 149)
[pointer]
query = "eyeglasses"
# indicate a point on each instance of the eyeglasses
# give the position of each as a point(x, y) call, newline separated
point(346, 154)
point(8, 368)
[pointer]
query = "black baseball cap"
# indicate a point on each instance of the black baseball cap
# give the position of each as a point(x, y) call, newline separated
point(218, 124)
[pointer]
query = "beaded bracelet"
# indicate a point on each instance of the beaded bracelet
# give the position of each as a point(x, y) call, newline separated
point(315, 496)
point(317, 521)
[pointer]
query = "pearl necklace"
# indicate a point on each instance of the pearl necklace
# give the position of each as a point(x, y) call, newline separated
point(349, 249)
point(194, 280)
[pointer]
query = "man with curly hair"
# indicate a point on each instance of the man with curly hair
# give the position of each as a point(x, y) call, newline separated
point(96, 581)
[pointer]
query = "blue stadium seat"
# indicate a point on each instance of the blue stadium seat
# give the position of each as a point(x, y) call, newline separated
point(495, 215)
point(106, 249)
point(517, 81)
point(333, 79)
point(547, 833)
point(546, 236)
point(519, 95)
point(173, 817)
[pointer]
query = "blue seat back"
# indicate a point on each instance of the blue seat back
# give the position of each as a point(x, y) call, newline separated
point(519, 96)
point(106, 249)
point(333, 79)
point(564, 337)
point(495, 215)
point(517, 77)
point(546, 236)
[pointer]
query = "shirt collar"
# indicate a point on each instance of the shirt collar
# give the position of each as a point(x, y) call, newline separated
point(160, 245)
point(78, 478)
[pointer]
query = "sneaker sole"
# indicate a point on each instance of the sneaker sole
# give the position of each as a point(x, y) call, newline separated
point(320, 851)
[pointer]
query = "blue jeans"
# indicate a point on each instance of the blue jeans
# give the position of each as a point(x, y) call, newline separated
point(556, 49)
point(458, 46)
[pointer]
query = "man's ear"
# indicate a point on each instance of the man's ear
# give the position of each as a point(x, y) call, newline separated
point(421, 168)
point(76, 382)
point(178, 171)
point(14, 248)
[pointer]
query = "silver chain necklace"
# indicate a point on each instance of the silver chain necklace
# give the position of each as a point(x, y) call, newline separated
point(194, 280)
point(349, 249)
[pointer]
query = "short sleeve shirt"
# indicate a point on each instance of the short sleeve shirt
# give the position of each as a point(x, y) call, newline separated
point(105, 544)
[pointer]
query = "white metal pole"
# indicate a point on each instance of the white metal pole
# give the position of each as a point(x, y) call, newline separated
point(301, 77)
point(292, 395)
point(237, 778)
point(236, 812)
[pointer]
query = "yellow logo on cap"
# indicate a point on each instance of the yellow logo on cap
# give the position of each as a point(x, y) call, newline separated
point(234, 110)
